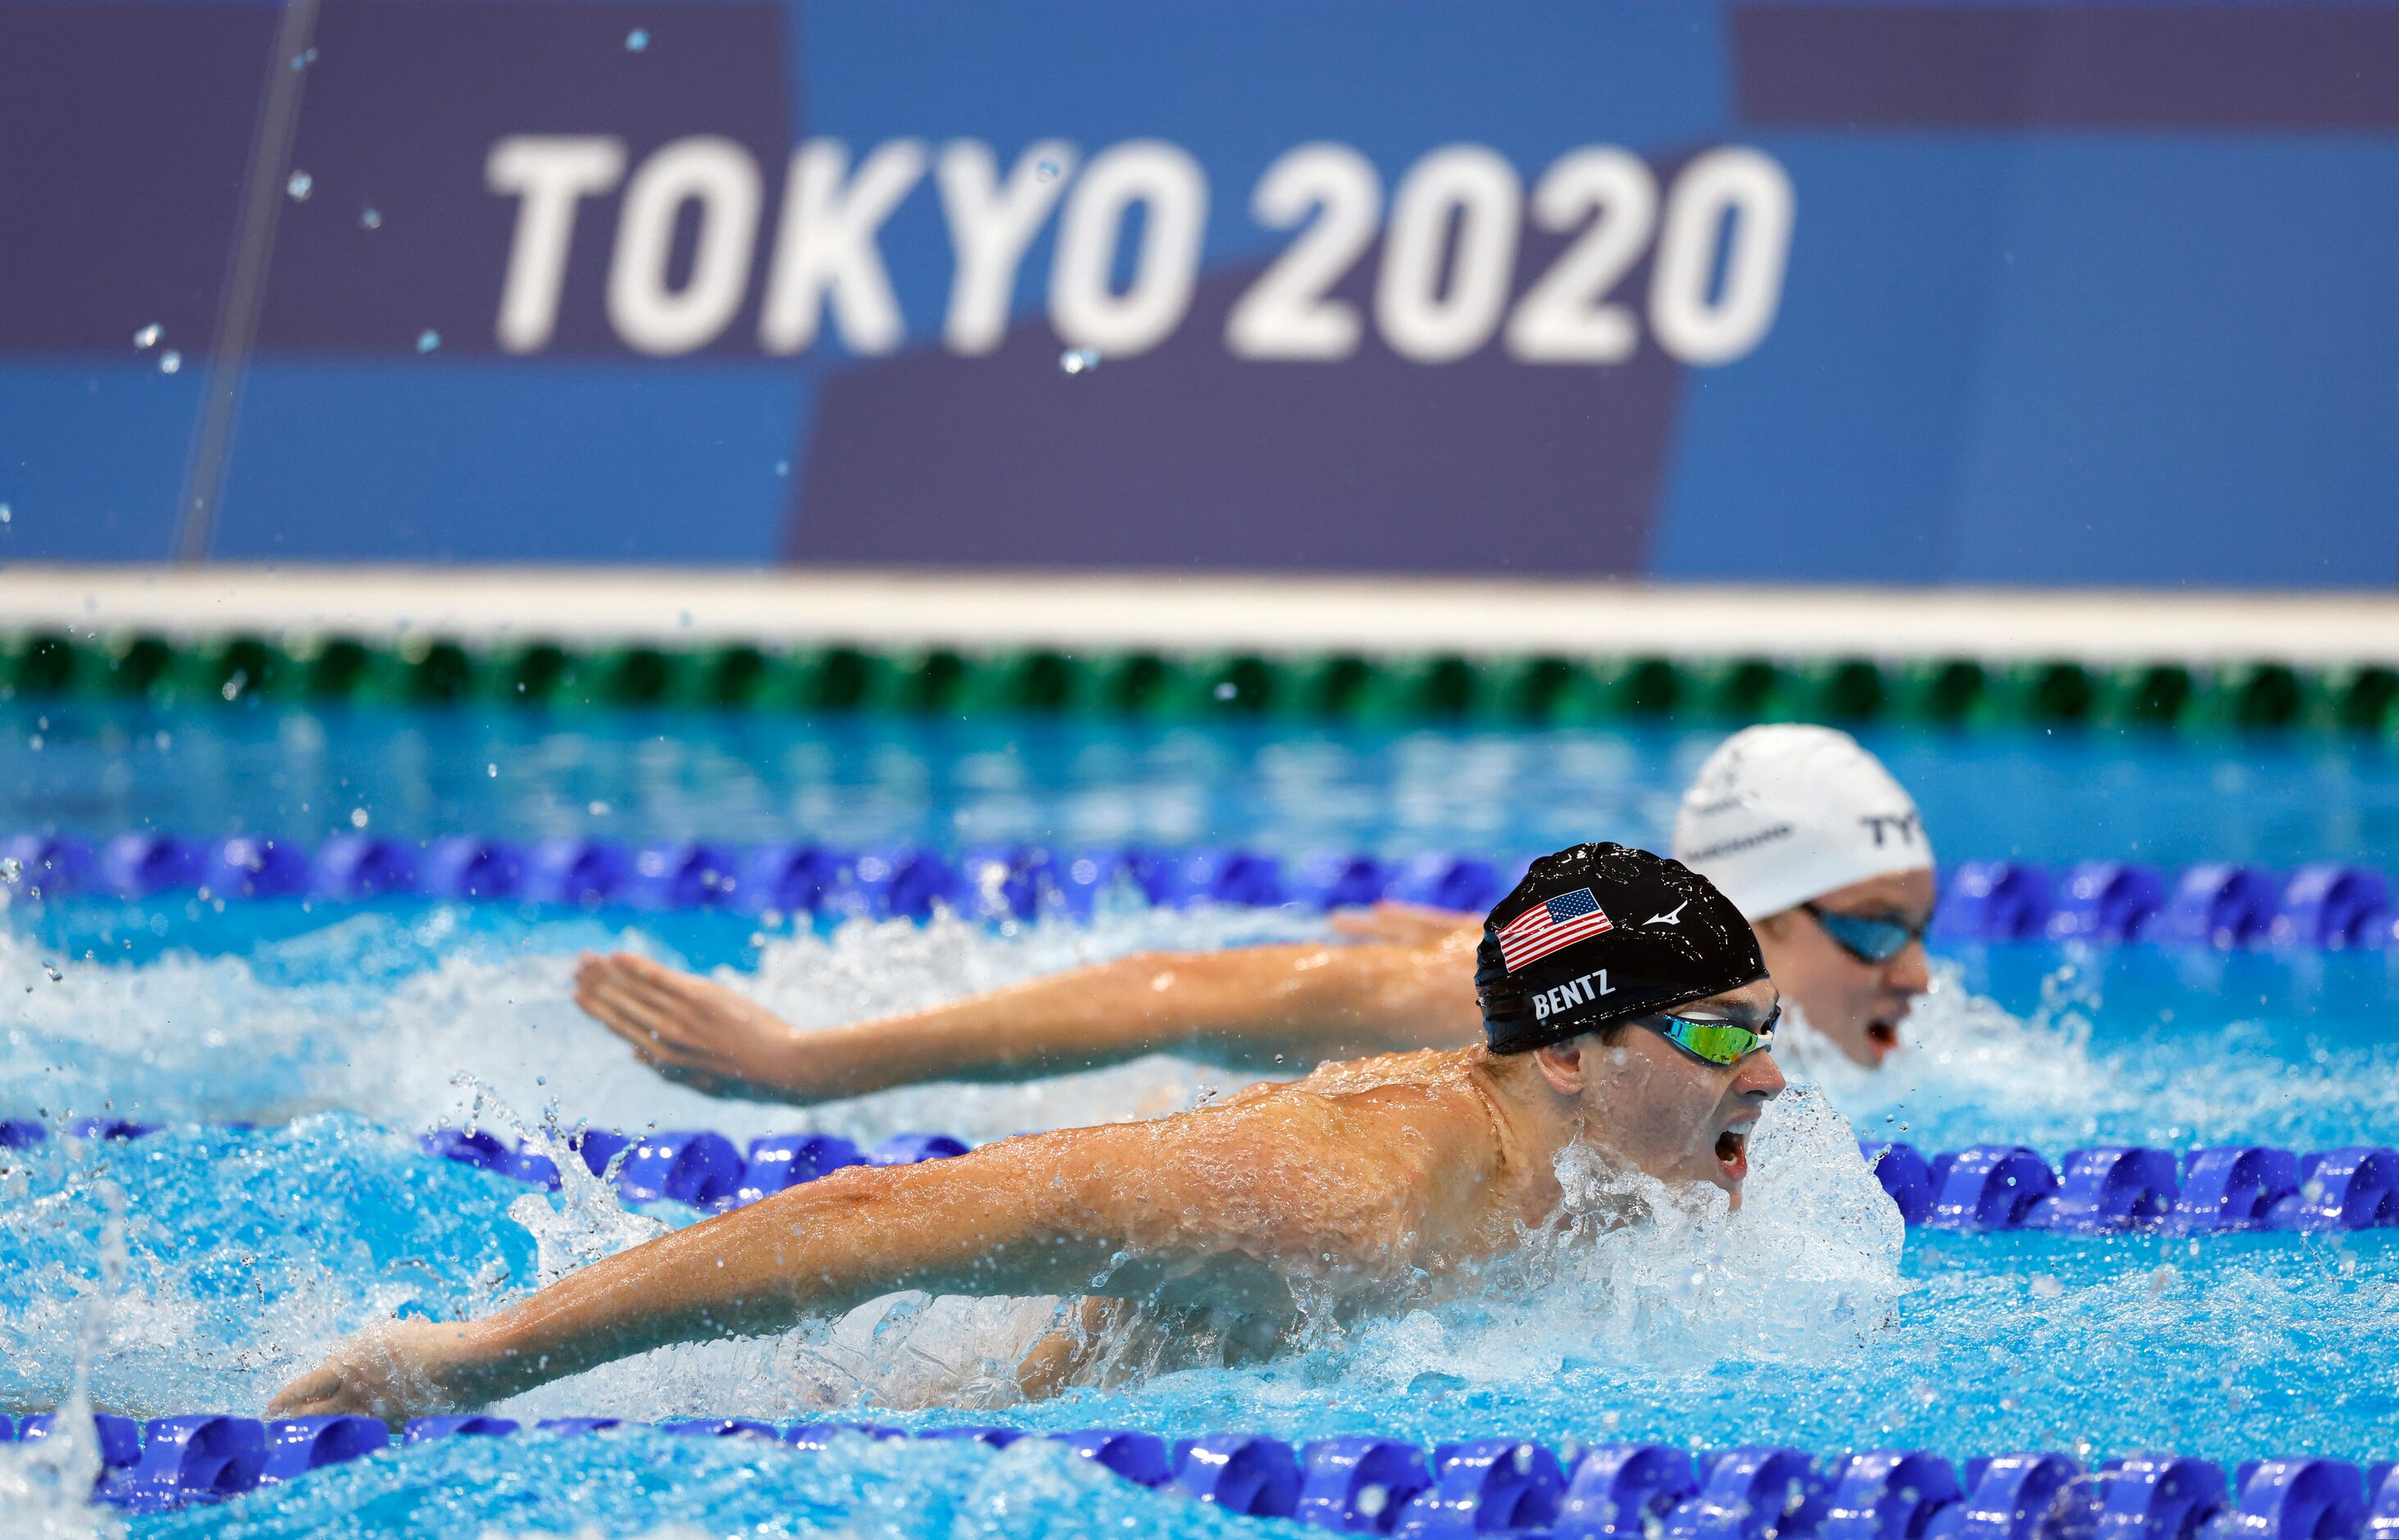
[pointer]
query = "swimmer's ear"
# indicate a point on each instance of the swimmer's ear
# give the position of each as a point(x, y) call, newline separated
point(1563, 1066)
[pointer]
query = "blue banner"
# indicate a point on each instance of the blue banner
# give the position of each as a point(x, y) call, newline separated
point(1777, 289)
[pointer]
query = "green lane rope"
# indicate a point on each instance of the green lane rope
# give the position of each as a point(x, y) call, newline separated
point(1429, 688)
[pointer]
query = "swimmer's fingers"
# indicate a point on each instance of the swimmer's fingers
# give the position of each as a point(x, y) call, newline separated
point(591, 967)
point(657, 1045)
point(312, 1395)
point(652, 1040)
point(335, 1390)
point(622, 1011)
point(679, 995)
point(657, 988)
point(623, 970)
point(635, 968)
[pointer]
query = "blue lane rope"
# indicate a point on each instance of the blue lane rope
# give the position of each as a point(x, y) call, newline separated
point(1363, 1485)
point(2103, 1190)
point(2325, 906)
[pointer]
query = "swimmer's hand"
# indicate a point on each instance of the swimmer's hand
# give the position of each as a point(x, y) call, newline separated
point(394, 1371)
point(690, 1029)
point(1409, 925)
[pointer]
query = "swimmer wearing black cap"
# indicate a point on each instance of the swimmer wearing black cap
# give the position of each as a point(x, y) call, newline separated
point(1805, 830)
point(1626, 1009)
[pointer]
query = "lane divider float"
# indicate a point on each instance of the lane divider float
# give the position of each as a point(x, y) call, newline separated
point(1365, 1485)
point(692, 1167)
point(2103, 1190)
point(2325, 906)
point(2115, 1188)
point(427, 671)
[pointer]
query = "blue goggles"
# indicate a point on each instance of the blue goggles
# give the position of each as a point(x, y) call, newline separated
point(1870, 941)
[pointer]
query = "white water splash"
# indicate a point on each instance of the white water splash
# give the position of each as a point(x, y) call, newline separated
point(1969, 1072)
point(594, 1532)
point(1686, 1282)
point(586, 1221)
point(46, 1487)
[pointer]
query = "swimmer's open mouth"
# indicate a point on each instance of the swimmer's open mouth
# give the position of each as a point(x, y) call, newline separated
point(1733, 1151)
point(1882, 1034)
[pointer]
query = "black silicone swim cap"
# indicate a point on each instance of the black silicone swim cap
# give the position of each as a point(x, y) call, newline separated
point(1601, 932)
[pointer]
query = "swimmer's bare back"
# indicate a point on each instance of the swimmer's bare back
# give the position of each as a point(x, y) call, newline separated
point(1345, 1186)
point(1403, 980)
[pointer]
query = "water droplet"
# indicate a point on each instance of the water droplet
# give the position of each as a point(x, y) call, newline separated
point(427, 341)
point(169, 362)
point(6, 515)
point(370, 219)
point(300, 187)
point(1047, 170)
point(1225, 691)
point(148, 336)
point(301, 61)
point(493, 771)
point(1372, 1500)
point(683, 618)
point(2046, 1288)
point(599, 809)
point(53, 970)
point(357, 818)
point(636, 40)
point(1079, 360)
point(783, 468)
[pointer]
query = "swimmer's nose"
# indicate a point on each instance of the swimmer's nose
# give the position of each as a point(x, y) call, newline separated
point(1908, 972)
point(1760, 1076)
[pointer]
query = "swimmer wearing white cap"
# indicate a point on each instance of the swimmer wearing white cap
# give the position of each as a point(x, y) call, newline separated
point(1827, 857)
point(1807, 833)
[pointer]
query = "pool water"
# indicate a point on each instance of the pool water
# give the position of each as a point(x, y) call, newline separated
point(1808, 1317)
point(98, 768)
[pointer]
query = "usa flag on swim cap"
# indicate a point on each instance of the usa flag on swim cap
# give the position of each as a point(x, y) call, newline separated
point(1552, 924)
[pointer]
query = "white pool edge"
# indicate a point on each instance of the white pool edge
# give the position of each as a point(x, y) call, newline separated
point(1270, 613)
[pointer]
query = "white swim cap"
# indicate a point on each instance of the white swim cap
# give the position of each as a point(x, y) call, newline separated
point(1789, 812)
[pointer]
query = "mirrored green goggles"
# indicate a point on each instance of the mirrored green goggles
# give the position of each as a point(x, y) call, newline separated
point(1725, 1042)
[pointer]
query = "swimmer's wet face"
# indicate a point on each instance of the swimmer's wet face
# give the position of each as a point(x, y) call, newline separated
point(1858, 1002)
point(1788, 819)
point(1638, 993)
point(1670, 1112)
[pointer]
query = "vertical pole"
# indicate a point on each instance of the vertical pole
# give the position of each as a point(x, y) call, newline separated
point(245, 290)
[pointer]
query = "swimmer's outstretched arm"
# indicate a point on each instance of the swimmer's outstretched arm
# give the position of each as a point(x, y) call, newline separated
point(1248, 1007)
point(1039, 1214)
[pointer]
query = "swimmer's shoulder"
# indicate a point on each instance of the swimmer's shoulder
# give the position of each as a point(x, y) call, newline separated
point(1435, 1096)
point(1442, 1072)
point(1397, 1155)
